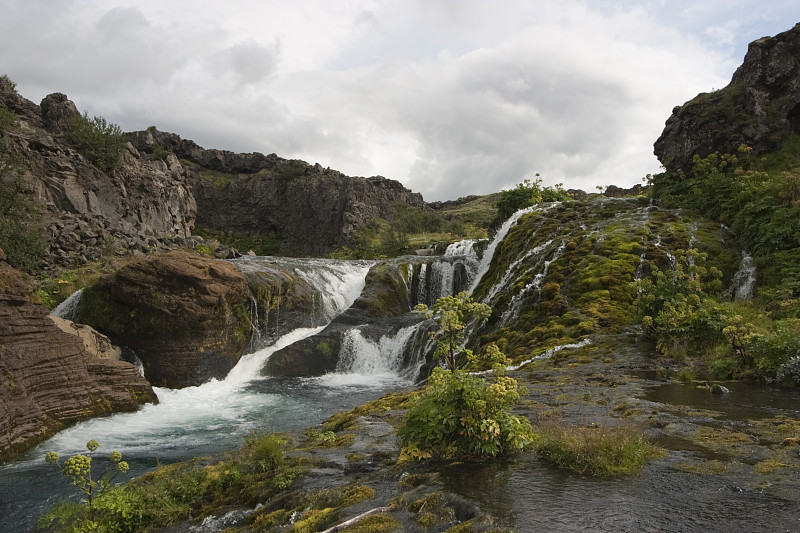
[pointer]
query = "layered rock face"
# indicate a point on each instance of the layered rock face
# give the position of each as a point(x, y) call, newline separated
point(311, 209)
point(184, 315)
point(760, 107)
point(139, 206)
point(48, 377)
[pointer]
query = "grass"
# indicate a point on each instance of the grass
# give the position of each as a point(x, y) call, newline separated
point(592, 450)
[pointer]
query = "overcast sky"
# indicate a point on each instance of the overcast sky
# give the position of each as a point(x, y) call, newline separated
point(449, 97)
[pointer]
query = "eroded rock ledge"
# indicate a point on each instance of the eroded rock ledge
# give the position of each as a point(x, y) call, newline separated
point(48, 378)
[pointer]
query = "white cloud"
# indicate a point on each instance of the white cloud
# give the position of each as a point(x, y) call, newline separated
point(451, 98)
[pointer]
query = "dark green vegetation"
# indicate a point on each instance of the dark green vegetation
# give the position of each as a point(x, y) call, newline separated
point(459, 414)
point(260, 244)
point(99, 141)
point(526, 194)
point(22, 236)
point(759, 199)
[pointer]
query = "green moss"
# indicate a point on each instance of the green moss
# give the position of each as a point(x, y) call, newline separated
point(377, 523)
point(216, 178)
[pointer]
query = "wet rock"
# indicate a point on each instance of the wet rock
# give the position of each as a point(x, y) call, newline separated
point(185, 316)
point(716, 388)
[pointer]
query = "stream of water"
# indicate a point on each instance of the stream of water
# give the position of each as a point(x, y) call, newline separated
point(213, 417)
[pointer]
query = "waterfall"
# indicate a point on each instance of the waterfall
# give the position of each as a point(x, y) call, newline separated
point(68, 309)
point(387, 357)
point(465, 248)
point(514, 268)
point(744, 280)
point(324, 278)
point(536, 283)
point(486, 261)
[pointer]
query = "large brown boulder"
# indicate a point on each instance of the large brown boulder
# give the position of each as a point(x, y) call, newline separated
point(48, 378)
point(760, 107)
point(185, 316)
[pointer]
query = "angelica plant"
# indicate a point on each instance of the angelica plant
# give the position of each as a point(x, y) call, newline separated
point(78, 470)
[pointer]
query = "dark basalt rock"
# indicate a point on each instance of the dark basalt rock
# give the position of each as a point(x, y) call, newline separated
point(760, 107)
point(313, 210)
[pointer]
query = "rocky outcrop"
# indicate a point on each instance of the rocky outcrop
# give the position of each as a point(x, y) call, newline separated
point(48, 378)
point(141, 206)
point(760, 107)
point(184, 315)
point(95, 342)
point(311, 209)
point(382, 307)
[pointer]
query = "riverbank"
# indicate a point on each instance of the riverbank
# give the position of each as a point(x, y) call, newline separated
point(726, 468)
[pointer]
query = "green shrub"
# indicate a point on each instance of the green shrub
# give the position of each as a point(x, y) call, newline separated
point(99, 141)
point(460, 414)
point(22, 236)
point(526, 194)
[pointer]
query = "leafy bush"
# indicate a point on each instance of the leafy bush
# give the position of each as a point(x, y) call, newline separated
point(461, 414)
point(677, 308)
point(526, 194)
point(99, 141)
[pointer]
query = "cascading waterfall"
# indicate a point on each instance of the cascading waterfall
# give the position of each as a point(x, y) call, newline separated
point(486, 261)
point(744, 280)
point(535, 284)
point(195, 421)
point(68, 309)
point(385, 358)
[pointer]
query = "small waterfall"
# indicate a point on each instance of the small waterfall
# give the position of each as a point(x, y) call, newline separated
point(465, 248)
point(513, 269)
point(486, 261)
point(744, 280)
point(68, 309)
point(422, 284)
point(387, 356)
point(535, 284)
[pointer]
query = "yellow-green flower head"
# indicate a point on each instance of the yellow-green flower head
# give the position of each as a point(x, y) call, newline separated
point(115, 456)
point(92, 445)
point(51, 458)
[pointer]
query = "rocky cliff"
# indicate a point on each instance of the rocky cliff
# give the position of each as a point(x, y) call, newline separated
point(140, 206)
point(310, 209)
point(48, 377)
point(760, 107)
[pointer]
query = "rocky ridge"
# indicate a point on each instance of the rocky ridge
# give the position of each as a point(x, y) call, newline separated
point(760, 107)
point(311, 209)
point(141, 206)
